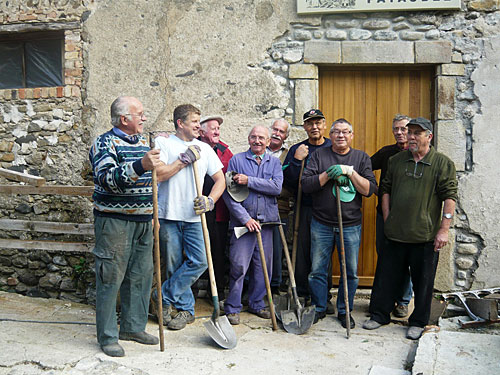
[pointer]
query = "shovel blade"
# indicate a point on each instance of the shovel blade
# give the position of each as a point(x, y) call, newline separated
point(221, 331)
point(298, 321)
point(281, 303)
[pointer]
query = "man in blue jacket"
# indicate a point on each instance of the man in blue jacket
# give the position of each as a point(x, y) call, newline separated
point(263, 176)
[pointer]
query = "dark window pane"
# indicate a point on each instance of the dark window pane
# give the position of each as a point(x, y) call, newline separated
point(43, 63)
point(11, 65)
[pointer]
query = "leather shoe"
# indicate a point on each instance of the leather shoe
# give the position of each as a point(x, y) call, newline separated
point(330, 309)
point(400, 311)
point(343, 319)
point(414, 332)
point(318, 315)
point(140, 337)
point(113, 350)
point(234, 319)
point(263, 313)
point(371, 324)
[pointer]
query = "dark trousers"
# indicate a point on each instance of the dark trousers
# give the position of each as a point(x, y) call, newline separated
point(392, 264)
point(277, 254)
point(218, 242)
point(303, 262)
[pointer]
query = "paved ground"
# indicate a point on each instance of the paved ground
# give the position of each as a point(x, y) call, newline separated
point(58, 348)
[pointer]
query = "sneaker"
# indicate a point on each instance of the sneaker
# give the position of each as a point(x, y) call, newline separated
point(318, 316)
point(180, 320)
point(263, 313)
point(113, 350)
point(140, 337)
point(343, 321)
point(330, 309)
point(234, 319)
point(400, 311)
point(371, 324)
point(414, 333)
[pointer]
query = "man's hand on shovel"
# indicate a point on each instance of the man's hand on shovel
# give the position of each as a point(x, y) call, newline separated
point(151, 160)
point(203, 204)
point(253, 225)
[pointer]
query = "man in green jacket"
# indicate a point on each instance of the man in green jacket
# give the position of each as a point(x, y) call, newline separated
point(418, 194)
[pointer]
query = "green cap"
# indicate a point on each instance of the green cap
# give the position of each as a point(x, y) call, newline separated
point(347, 193)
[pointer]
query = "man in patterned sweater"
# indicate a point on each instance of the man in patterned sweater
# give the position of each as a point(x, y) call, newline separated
point(121, 164)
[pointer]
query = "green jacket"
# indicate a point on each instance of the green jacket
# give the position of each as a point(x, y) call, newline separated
point(417, 192)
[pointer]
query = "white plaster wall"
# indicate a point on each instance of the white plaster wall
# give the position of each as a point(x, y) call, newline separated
point(479, 191)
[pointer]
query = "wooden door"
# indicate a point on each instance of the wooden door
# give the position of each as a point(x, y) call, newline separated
point(369, 98)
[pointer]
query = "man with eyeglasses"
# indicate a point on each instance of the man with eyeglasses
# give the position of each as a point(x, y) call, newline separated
point(123, 208)
point(418, 193)
point(179, 210)
point(379, 161)
point(351, 169)
point(314, 125)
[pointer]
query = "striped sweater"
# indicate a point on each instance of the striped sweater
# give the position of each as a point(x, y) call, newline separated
point(123, 189)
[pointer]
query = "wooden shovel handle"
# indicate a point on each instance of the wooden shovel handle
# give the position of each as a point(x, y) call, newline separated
point(206, 238)
point(156, 252)
point(266, 280)
point(342, 259)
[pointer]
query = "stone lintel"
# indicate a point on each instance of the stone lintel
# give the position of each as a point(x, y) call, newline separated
point(433, 52)
point(451, 70)
point(451, 141)
point(369, 52)
point(445, 100)
point(306, 97)
point(322, 52)
point(303, 71)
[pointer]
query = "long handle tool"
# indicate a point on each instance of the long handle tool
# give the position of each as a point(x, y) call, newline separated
point(218, 327)
point(342, 258)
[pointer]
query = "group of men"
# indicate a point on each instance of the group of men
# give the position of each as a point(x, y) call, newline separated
point(257, 189)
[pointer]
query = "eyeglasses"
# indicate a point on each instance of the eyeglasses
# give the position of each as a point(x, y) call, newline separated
point(402, 129)
point(415, 174)
point(345, 133)
point(141, 115)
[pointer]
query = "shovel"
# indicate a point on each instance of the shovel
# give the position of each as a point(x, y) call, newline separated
point(218, 327)
point(300, 319)
point(342, 258)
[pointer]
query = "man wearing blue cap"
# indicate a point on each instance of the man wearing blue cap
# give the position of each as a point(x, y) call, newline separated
point(418, 194)
point(351, 169)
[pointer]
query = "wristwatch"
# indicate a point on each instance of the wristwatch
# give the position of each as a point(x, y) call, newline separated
point(447, 216)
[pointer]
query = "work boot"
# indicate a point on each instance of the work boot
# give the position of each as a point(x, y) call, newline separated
point(318, 315)
point(167, 314)
point(371, 324)
point(343, 321)
point(180, 320)
point(330, 308)
point(140, 337)
point(414, 333)
point(234, 319)
point(263, 313)
point(400, 311)
point(113, 350)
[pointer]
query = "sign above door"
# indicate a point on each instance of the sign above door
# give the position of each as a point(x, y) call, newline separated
point(351, 6)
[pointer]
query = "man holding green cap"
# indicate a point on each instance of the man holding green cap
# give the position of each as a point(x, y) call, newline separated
point(351, 169)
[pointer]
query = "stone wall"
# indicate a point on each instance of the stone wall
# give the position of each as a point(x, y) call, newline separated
point(42, 133)
point(252, 61)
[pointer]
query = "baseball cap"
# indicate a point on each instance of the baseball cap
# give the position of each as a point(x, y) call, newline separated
point(238, 192)
point(347, 193)
point(422, 122)
point(313, 113)
point(208, 118)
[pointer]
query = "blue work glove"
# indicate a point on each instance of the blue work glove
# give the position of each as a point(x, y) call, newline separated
point(203, 204)
point(192, 154)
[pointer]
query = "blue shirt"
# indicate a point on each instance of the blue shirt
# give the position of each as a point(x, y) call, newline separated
point(264, 185)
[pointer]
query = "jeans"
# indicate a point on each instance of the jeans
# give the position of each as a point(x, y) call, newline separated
point(123, 262)
point(323, 237)
point(403, 296)
point(183, 248)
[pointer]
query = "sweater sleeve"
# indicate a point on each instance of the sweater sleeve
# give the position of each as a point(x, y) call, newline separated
point(108, 172)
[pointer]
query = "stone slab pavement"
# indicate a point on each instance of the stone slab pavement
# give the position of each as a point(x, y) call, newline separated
point(65, 343)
